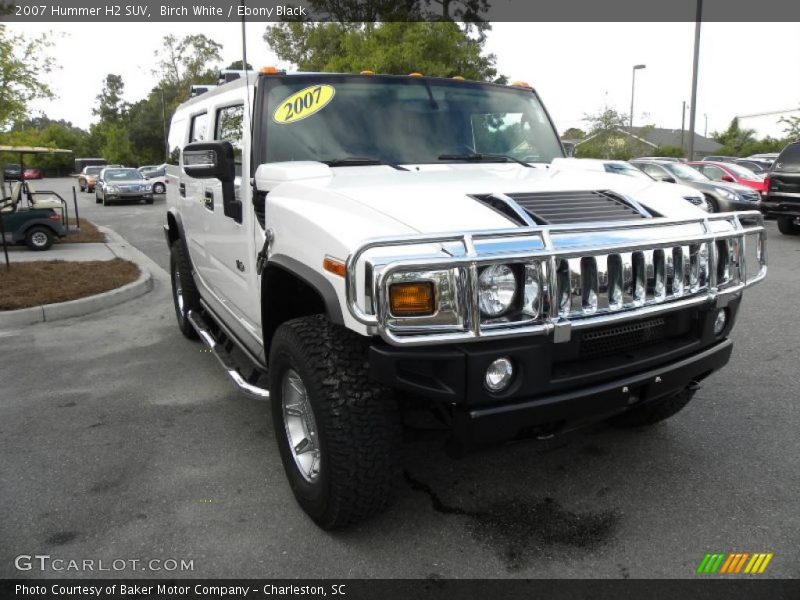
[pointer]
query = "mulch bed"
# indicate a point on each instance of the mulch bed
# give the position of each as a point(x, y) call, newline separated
point(89, 233)
point(35, 283)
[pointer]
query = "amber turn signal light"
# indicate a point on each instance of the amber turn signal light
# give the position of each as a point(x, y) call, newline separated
point(334, 266)
point(411, 299)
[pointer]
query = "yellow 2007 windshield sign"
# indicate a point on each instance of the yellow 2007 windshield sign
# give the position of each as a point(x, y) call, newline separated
point(303, 104)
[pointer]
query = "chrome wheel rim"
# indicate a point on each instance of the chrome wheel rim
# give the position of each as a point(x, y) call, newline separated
point(176, 282)
point(39, 239)
point(301, 428)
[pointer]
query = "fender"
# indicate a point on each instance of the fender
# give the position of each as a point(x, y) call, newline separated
point(314, 280)
point(19, 235)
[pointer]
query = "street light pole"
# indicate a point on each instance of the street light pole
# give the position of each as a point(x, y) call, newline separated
point(163, 122)
point(695, 66)
point(633, 89)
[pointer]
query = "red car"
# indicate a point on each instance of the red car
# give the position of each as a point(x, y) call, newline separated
point(33, 174)
point(731, 173)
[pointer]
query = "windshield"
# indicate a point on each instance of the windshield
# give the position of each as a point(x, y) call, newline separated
point(626, 169)
point(789, 159)
point(122, 174)
point(742, 172)
point(93, 170)
point(402, 120)
point(681, 171)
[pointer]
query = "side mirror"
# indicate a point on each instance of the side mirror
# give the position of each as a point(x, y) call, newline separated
point(214, 160)
point(667, 179)
point(209, 160)
point(727, 178)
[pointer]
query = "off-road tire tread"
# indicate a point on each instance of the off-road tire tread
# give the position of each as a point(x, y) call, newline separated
point(191, 297)
point(360, 419)
point(654, 412)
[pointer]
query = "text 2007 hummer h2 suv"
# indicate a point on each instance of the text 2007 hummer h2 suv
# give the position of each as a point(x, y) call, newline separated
point(368, 246)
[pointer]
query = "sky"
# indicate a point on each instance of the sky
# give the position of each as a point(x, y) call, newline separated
point(577, 68)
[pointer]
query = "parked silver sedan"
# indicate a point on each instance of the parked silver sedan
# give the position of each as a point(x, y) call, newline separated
point(115, 184)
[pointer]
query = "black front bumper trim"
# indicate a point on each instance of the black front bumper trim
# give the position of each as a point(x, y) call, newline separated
point(572, 409)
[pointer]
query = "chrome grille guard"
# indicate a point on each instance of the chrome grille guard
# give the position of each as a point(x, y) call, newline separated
point(590, 275)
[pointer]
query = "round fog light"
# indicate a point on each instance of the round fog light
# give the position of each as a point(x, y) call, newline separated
point(720, 321)
point(499, 374)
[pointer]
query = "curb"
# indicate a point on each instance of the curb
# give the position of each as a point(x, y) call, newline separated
point(90, 304)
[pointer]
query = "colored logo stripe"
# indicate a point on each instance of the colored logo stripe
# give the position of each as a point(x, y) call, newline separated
point(734, 562)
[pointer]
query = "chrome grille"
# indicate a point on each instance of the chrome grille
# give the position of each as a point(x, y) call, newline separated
point(605, 283)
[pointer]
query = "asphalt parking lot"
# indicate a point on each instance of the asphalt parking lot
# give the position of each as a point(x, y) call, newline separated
point(120, 439)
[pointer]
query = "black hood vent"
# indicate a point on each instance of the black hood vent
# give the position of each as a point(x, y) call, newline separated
point(556, 208)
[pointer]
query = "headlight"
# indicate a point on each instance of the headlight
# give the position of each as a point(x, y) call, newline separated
point(497, 288)
point(147, 188)
point(112, 188)
point(728, 194)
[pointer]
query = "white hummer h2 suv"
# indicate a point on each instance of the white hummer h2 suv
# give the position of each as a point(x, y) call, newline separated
point(358, 248)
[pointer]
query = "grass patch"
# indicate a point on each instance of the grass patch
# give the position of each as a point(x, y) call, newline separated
point(35, 283)
point(89, 233)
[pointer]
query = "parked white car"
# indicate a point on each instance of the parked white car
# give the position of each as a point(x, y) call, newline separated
point(157, 177)
point(640, 183)
point(359, 248)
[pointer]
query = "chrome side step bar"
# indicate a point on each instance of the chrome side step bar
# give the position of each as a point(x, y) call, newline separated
point(225, 359)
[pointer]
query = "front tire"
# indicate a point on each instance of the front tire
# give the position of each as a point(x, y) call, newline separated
point(787, 226)
point(39, 238)
point(713, 205)
point(338, 432)
point(653, 412)
point(159, 188)
point(185, 296)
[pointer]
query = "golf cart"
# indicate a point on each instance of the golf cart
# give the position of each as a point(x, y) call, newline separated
point(30, 216)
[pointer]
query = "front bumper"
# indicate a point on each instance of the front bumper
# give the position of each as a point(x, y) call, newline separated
point(788, 206)
point(128, 195)
point(559, 386)
point(569, 410)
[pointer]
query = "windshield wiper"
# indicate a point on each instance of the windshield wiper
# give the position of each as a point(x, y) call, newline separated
point(478, 157)
point(355, 161)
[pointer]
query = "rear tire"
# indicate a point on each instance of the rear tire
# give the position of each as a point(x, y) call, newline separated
point(185, 296)
point(39, 238)
point(653, 412)
point(787, 226)
point(159, 188)
point(354, 428)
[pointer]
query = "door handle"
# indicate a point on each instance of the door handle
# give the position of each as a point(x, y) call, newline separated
point(182, 190)
point(208, 199)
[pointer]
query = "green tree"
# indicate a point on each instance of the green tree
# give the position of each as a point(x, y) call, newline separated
point(111, 106)
point(792, 127)
point(237, 65)
point(192, 59)
point(117, 147)
point(734, 138)
point(675, 151)
point(23, 63)
point(439, 49)
point(573, 133)
point(606, 138)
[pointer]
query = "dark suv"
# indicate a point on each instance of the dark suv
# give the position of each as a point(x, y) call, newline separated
point(782, 199)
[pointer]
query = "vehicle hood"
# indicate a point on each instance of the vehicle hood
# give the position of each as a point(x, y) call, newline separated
point(126, 182)
point(438, 198)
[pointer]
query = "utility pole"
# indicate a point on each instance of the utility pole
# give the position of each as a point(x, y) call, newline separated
point(633, 89)
point(705, 129)
point(683, 126)
point(163, 122)
point(695, 67)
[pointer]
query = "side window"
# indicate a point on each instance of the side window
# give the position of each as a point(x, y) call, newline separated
point(714, 173)
point(199, 128)
point(654, 171)
point(230, 127)
point(175, 141)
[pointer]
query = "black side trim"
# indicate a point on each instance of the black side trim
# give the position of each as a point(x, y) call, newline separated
point(55, 226)
point(316, 281)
